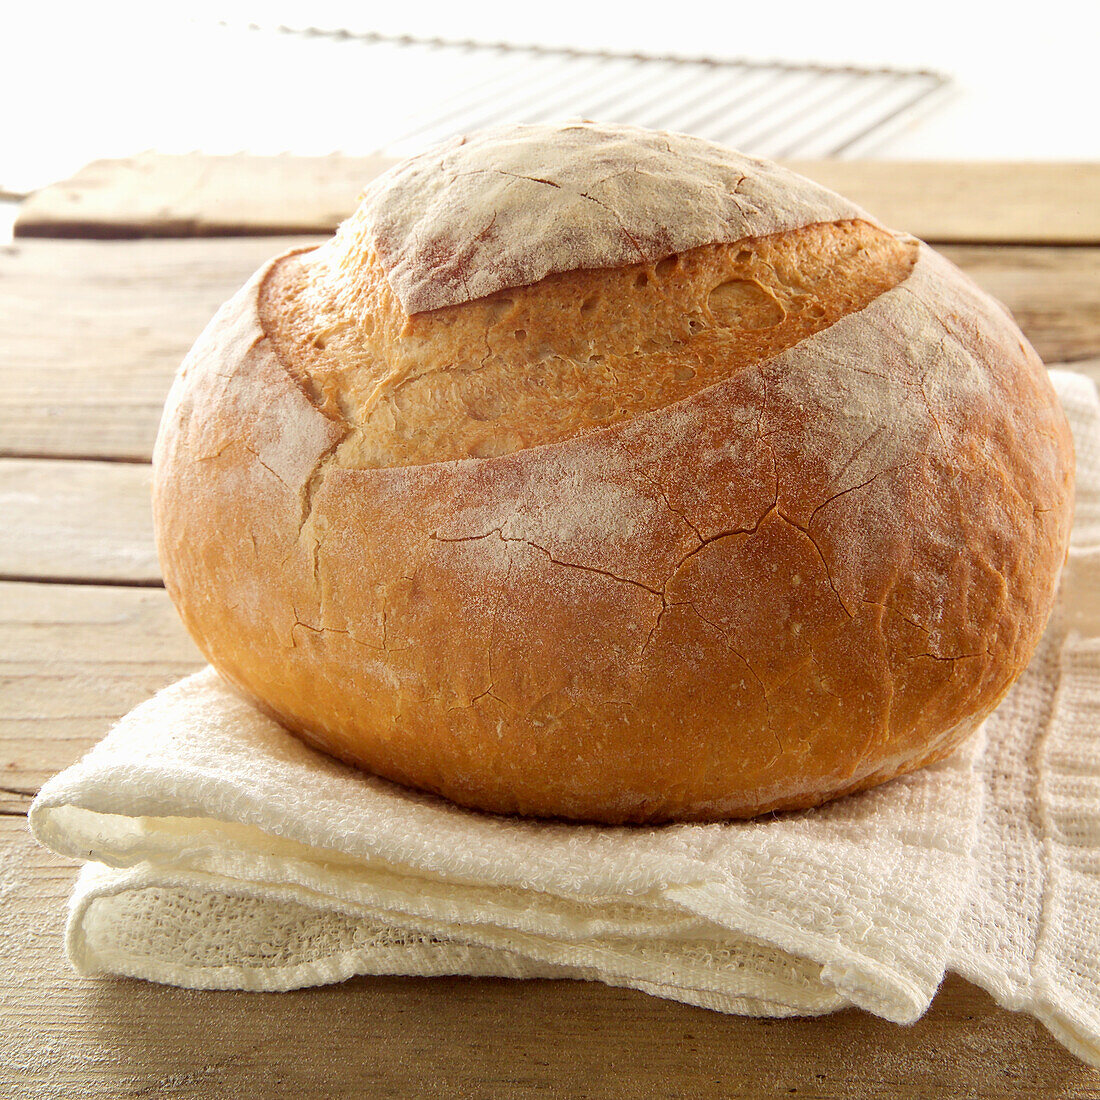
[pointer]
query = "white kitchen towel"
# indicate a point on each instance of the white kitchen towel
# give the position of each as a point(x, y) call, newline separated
point(224, 853)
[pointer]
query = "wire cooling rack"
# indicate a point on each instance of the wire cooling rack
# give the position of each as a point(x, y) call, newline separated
point(765, 108)
point(272, 89)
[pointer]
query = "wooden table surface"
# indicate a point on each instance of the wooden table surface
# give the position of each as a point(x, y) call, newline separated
point(92, 327)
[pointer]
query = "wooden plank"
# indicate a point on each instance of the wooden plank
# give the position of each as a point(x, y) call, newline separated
point(978, 202)
point(76, 521)
point(73, 659)
point(157, 195)
point(91, 333)
point(409, 1037)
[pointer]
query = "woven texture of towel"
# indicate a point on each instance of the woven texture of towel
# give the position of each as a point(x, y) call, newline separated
point(224, 853)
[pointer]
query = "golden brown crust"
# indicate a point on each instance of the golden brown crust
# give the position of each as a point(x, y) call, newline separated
point(816, 573)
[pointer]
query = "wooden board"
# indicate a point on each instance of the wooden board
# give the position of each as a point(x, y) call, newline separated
point(156, 195)
point(91, 333)
point(76, 521)
point(73, 659)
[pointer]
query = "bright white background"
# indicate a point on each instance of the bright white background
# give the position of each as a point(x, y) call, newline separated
point(89, 80)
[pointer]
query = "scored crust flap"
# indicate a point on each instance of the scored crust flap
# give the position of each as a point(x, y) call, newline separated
point(509, 205)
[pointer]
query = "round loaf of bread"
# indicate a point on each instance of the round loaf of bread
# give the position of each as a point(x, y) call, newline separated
point(607, 474)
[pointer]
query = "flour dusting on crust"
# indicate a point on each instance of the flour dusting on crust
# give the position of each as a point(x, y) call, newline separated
point(509, 205)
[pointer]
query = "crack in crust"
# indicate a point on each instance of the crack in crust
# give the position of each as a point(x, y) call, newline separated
point(557, 561)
